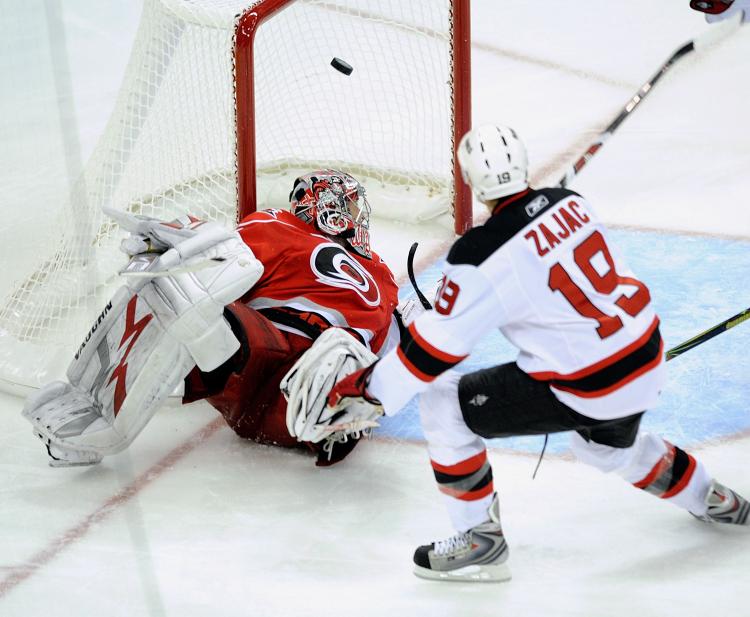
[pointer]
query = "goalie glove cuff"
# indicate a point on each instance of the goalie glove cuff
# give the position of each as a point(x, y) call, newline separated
point(352, 388)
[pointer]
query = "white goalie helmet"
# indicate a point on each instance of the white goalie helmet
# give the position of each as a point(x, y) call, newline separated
point(493, 162)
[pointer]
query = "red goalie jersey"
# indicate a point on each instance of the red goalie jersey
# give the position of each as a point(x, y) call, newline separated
point(310, 282)
point(309, 278)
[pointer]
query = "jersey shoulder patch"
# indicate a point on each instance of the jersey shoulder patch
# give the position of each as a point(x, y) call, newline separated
point(479, 243)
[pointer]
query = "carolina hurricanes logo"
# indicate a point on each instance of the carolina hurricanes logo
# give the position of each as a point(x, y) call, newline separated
point(333, 266)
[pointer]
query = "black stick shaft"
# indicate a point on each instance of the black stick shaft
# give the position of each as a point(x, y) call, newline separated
point(410, 270)
point(572, 172)
point(706, 39)
point(708, 334)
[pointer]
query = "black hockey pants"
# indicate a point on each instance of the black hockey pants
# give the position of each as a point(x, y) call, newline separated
point(503, 401)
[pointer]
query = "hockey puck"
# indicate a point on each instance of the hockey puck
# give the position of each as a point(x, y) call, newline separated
point(341, 66)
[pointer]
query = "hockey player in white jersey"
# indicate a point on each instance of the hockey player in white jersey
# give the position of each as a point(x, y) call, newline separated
point(543, 270)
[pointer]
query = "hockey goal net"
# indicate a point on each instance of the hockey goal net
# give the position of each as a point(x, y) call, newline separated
point(223, 103)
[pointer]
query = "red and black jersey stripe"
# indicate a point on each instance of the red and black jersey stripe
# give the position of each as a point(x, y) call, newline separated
point(468, 480)
point(670, 475)
point(422, 359)
point(613, 372)
point(308, 322)
point(480, 242)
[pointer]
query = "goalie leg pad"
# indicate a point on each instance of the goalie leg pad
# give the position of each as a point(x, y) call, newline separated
point(120, 375)
point(62, 409)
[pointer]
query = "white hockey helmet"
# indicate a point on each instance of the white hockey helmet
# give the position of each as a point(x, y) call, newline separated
point(493, 162)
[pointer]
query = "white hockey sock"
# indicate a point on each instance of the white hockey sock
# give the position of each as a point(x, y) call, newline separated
point(654, 465)
point(458, 456)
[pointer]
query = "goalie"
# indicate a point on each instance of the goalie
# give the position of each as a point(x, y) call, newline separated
point(229, 314)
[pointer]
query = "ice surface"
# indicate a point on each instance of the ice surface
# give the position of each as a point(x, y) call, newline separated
point(193, 521)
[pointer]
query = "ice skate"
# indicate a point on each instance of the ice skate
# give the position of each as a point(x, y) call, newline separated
point(480, 554)
point(725, 506)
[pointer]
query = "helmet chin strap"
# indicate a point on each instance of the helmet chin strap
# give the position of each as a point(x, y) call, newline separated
point(343, 239)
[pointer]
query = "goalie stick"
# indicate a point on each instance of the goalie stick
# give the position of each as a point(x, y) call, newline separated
point(712, 35)
point(701, 338)
point(151, 274)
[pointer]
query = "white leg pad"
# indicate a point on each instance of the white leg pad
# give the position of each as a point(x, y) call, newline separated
point(123, 371)
point(145, 341)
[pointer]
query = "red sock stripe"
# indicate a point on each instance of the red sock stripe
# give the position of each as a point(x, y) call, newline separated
point(664, 463)
point(462, 468)
point(676, 464)
point(468, 496)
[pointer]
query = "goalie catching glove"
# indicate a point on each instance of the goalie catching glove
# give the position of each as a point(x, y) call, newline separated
point(333, 357)
point(147, 339)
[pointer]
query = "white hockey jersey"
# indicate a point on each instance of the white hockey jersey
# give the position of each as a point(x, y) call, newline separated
point(543, 271)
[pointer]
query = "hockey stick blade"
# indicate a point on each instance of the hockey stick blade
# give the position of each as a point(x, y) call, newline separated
point(711, 36)
point(410, 270)
point(701, 338)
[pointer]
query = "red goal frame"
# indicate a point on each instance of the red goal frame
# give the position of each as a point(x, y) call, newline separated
point(248, 25)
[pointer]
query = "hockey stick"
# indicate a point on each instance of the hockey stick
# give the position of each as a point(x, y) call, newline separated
point(708, 334)
point(197, 267)
point(712, 35)
point(410, 270)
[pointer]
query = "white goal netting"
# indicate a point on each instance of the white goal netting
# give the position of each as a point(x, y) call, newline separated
point(171, 143)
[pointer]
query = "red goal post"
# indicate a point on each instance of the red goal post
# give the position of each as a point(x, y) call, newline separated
point(460, 93)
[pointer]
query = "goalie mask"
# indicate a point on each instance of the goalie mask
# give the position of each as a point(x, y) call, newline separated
point(335, 203)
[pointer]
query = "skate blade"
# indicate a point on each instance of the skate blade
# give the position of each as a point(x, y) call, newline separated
point(59, 463)
point(472, 574)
